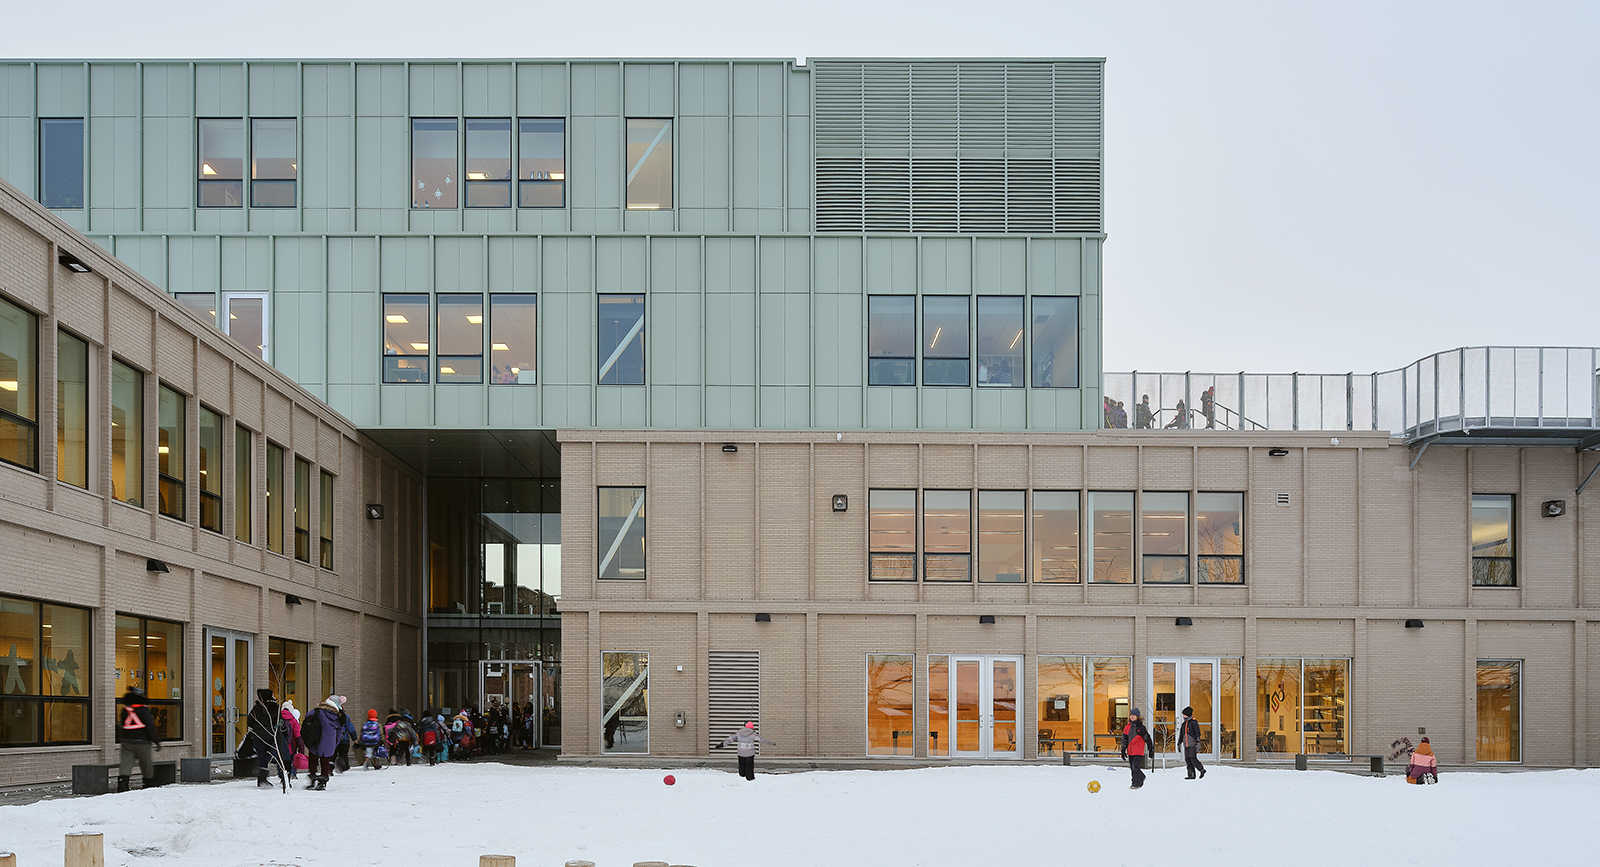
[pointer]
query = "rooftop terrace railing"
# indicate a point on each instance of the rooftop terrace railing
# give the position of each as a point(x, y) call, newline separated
point(1509, 389)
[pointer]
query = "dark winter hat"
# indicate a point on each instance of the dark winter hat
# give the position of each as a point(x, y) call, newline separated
point(1424, 740)
point(1135, 712)
point(1188, 711)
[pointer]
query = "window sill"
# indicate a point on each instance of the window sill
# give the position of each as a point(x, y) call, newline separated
point(129, 505)
point(55, 748)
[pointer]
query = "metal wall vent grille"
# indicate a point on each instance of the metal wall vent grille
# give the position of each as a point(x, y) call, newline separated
point(1285, 500)
point(733, 692)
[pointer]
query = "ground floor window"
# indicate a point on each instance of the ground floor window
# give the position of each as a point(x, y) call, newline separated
point(287, 670)
point(890, 680)
point(1302, 706)
point(625, 688)
point(330, 670)
point(150, 656)
point(1083, 702)
point(44, 673)
point(1499, 710)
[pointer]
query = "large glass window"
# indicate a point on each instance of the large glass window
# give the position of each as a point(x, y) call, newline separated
point(1109, 710)
point(244, 457)
point(288, 671)
point(945, 349)
point(513, 339)
point(150, 656)
point(1302, 706)
point(938, 704)
point(326, 522)
point(433, 163)
point(330, 670)
point(1164, 533)
point(1499, 710)
point(45, 676)
point(541, 162)
point(489, 162)
point(274, 164)
point(891, 340)
point(245, 320)
point(405, 338)
point(1000, 341)
point(1002, 556)
point(61, 162)
point(72, 410)
point(621, 533)
point(170, 453)
point(19, 384)
point(127, 434)
point(1493, 521)
point(461, 338)
point(625, 702)
point(890, 681)
point(947, 535)
point(302, 510)
point(1061, 704)
point(212, 470)
point(1229, 695)
point(201, 304)
point(1277, 708)
point(1326, 706)
point(621, 347)
point(892, 535)
point(274, 497)
point(1112, 514)
point(1219, 522)
point(1055, 537)
point(1055, 342)
point(221, 171)
point(649, 178)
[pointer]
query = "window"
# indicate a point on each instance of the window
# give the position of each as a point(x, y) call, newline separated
point(330, 670)
point(405, 338)
point(211, 470)
point(274, 497)
point(946, 535)
point(1000, 342)
point(892, 535)
point(512, 336)
point(287, 671)
point(150, 656)
point(201, 304)
point(944, 327)
point(1493, 560)
point(1055, 342)
point(1220, 526)
point(72, 410)
point(1302, 706)
point(19, 382)
point(890, 682)
point(542, 163)
point(45, 675)
point(489, 162)
point(433, 163)
point(127, 434)
point(302, 510)
point(170, 453)
point(938, 704)
point(221, 163)
point(1228, 709)
point(273, 162)
point(1061, 704)
point(61, 162)
point(1499, 710)
point(649, 178)
point(621, 355)
point(1055, 537)
point(1002, 556)
point(326, 520)
point(1164, 536)
point(245, 320)
point(621, 532)
point(891, 340)
point(625, 701)
point(244, 456)
point(1112, 514)
point(1108, 709)
point(460, 337)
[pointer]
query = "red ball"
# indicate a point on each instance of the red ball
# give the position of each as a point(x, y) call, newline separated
point(669, 779)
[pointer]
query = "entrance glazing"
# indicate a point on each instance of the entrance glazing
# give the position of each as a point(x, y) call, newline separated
point(231, 689)
point(1176, 683)
point(509, 684)
point(973, 705)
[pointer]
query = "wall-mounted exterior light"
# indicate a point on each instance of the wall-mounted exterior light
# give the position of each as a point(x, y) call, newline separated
point(72, 263)
point(986, 618)
point(729, 447)
point(375, 511)
point(1413, 624)
point(763, 618)
point(291, 599)
point(1277, 453)
point(157, 566)
point(841, 503)
point(1185, 621)
point(1553, 508)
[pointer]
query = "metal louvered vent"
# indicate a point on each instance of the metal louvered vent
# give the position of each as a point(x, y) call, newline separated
point(981, 147)
point(733, 687)
point(1285, 500)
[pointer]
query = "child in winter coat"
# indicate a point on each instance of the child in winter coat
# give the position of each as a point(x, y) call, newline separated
point(372, 740)
point(291, 721)
point(746, 739)
point(1423, 764)
point(1135, 746)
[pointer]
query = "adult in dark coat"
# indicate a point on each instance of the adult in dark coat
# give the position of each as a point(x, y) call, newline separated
point(320, 731)
point(1189, 739)
point(136, 731)
point(268, 736)
point(1136, 745)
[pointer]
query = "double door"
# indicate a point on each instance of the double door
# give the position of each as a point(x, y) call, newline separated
point(1177, 683)
point(231, 689)
point(985, 693)
point(508, 684)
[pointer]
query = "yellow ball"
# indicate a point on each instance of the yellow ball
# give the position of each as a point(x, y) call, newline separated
point(1094, 786)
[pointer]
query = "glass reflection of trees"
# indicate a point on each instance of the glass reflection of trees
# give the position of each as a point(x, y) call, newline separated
point(625, 687)
point(890, 726)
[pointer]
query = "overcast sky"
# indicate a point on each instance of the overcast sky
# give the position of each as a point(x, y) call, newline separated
point(1289, 186)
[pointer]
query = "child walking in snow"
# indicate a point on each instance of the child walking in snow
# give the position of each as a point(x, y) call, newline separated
point(372, 740)
point(746, 739)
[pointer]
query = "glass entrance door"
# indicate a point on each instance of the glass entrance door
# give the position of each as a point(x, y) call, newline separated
point(1176, 683)
point(985, 692)
point(232, 689)
point(508, 683)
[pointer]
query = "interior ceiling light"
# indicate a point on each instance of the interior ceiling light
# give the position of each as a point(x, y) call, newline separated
point(397, 319)
point(475, 318)
point(11, 385)
point(206, 169)
point(558, 176)
point(449, 370)
point(1015, 339)
point(501, 347)
point(477, 176)
point(420, 347)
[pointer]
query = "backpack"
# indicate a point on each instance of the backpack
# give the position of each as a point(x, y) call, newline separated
point(429, 738)
point(371, 733)
point(311, 730)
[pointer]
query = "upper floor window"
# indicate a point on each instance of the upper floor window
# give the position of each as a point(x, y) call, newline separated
point(221, 171)
point(649, 179)
point(211, 469)
point(1055, 537)
point(1000, 341)
point(541, 162)
point(72, 409)
point(621, 355)
point(433, 163)
point(512, 336)
point(1055, 342)
point(127, 434)
point(891, 340)
point(1220, 534)
point(1111, 515)
point(201, 304)
point(1493, 526)
point(302, 510)
point(170, 452)
point(61, 162)
point(1002, 521)
point(244, 318)
point(945, 348)
point(326, 522)
point(274, 163)
point(461, 337)
point(1164, 536)
point(19, 386)
point(274, 497)
point(621, 529)
point(892, 535)
point(405, 338)
point(947, 535)
point(489, 162)
point(244, 461)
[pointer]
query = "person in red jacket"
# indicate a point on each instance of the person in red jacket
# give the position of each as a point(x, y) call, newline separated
point(1423, 764)
point(1135, 746)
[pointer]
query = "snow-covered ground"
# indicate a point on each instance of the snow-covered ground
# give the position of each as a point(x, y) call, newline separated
point(1026, 815)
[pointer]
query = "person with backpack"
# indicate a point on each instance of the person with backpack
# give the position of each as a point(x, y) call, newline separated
point(291, 723)
point(320, 731)
point(399, 735)
point(1423, 764)
point(461, 735)
point(347, 734)
point(432, 737)
point(372, 741)
point(1135, 746)
point(268, 738)
point(1189, 739)
point(746, 739)
point(136, 732)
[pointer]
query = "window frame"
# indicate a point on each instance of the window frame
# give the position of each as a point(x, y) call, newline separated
point(292, 183)
point(606, 365)
point(1186, 555)
point(914, 555)
point(325, 518)
point(549, 176)
point(244, 472)
point(176, 504)
point(1519, 722)
point(451, 179)
point(274, 510)
point(1298, 746)
point(1034, 369)
point(86, 430)
point(302, 509)
point(216, 465)
point(532, 300)
point(613, 547)
point(627, 693)
point(1133, 568)
point(876, 354)
point(1035, 551)
point(37, 696)
point(134, 488)
point(225, 317)
point(930, 361)
point(1025, 550)
point(144, 658)
point(83, 163)
point(1019, 377)
point(1201, 573)
point(505, 183)
point(670, 133)
point(1510, 561)
point(925, 533)
point(201, 182)
point(442, 360)
point(406, 361)
point(29, 425)
point(277, 679)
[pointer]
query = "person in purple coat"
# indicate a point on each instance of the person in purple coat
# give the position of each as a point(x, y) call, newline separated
point(320, 731)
